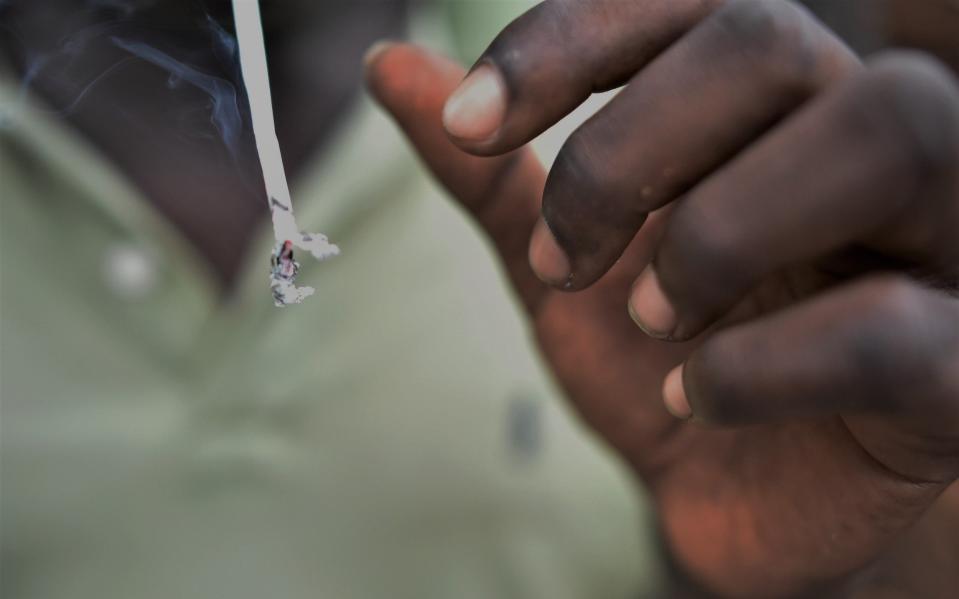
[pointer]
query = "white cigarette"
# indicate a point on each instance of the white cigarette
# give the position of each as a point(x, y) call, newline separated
point(249, 34)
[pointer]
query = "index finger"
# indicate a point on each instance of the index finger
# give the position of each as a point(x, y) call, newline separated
point(502, 193)
point(550, 59)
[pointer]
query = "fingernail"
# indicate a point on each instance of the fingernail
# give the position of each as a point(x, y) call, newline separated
point(674, 396)
point(476, 109)
point(548, 260)
point(374, 51)
point(649, 307)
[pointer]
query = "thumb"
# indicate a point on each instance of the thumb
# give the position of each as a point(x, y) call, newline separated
point(502, 193)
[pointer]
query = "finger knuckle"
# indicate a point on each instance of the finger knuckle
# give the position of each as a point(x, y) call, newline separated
point(781, 38)
point(911, 103)
point(719, 396)
point(894, 347)
point(708, 262)
point(578, 173)
point(892, 299)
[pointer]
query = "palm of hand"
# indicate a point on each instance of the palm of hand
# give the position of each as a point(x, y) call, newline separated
point(807, 491)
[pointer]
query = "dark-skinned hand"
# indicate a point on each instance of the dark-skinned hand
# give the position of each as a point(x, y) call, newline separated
point(782, 221)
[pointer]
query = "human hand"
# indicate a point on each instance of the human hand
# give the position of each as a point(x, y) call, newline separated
point(783, 220)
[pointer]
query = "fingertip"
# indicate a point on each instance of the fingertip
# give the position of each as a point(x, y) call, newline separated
point(649, 306)
point(547, 258)
point(374, 52)
point(372, 67)
point(475, 111)
point(674, 394)
point(409, 80)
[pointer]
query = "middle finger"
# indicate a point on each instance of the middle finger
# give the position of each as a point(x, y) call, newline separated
point(693, 108)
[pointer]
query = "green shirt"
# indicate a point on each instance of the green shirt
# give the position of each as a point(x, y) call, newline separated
point(393, 436)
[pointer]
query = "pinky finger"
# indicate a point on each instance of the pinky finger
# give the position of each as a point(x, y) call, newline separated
point(882, 345)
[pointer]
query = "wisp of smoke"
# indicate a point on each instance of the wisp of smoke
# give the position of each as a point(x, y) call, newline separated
point(226, 116)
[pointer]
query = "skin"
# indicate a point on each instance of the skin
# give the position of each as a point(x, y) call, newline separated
point(783, 222)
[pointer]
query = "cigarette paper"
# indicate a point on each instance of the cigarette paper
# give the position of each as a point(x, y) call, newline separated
point(283, 268)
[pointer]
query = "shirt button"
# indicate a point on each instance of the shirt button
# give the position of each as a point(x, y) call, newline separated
point(129, 271)
point(524, 427)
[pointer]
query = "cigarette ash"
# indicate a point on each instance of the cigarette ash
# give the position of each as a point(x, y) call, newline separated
point(284, 268)
point(283, 271)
